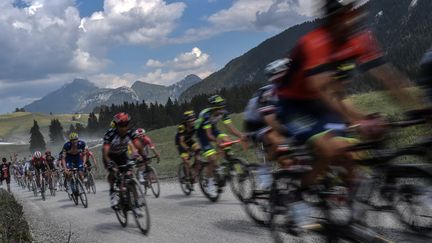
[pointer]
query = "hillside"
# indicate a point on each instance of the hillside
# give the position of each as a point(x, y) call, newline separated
point(15, 127)
point(401, 28)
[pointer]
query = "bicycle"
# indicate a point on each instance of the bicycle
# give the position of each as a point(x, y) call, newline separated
point(231, 169)
point(186, 183)
point(77, 189)
point(34, 184)
point(151, 179)
point(131, 198)
point(89, 183)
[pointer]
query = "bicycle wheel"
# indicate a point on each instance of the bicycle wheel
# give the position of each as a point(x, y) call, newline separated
point(121, 210)
point(43, 188)
point(74, 194)
point(81, 193)
point(185, 184)
point(153, 180)
point(34, 188)
point(413, 204)
point(139, 204)
point(256, 204)
point(203, 182)
point(92, 183)
point(52, 186)
point(238, 173)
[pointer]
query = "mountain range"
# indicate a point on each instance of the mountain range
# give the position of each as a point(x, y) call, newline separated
point(83, 96)
point(401, 26)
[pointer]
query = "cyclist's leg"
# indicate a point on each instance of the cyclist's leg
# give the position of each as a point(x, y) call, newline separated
point(209, 153)
point(184, 155)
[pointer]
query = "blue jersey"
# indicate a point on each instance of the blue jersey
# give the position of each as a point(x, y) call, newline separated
point(206, 120)
point(72, 150)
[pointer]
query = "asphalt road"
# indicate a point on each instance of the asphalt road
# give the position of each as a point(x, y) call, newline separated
point(174, 218)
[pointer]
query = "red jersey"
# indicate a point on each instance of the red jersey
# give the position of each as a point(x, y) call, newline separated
point(36, 162)
point(5, 169)
point(319, 52)
point(147, 142)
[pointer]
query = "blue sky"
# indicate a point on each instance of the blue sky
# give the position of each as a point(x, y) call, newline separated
point(116, 42)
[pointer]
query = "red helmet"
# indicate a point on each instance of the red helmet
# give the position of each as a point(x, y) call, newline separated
point(121, 119)
point(140, 132)
point(37, 154)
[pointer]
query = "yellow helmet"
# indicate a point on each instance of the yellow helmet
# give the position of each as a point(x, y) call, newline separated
point(73, 136)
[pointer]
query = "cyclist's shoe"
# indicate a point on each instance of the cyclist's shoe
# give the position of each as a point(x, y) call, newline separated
point(114, 199)
point(211, 187)
point(141, 178)
point(138, 212)
point(300, 212)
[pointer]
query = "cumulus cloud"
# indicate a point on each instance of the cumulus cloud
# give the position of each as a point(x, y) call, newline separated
point(247, 15)
point(162, 72)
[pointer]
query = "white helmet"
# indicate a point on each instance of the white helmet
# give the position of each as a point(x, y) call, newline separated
point(37, 155)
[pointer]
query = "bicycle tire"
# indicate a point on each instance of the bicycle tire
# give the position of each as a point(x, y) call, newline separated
point(43, 188)
point(181, 174)
point(121, 211)
point(92, 183)
point(143, 221)
point(153, 180)
point(73, 191)
point(203, 184)
point(238, 173)
point(82, 194)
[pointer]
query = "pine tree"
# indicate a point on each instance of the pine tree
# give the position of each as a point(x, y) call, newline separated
point(56, 131)
point(37, 141)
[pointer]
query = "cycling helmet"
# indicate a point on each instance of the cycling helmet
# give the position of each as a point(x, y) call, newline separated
point(189, 115)
point(277, 69)
point(73, 136)
point(216, 101)
point(140, 132)
point(335, 6)
point(121, 119)
point(37, 154)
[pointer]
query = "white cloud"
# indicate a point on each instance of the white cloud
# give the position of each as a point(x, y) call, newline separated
point(184, 61)
point(247, 15)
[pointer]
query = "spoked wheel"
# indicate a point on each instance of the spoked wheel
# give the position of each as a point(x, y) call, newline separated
point(34, 188)
point(413, 203)
point(238, 173)
point(140, 207)
point(256, 203)
point(74, 191)
point(52, 187)
point(82, 194)
point(43, 189)
point(203, 182)
point(185, 184)
point(92, 183)
point(153, 181)
point(121, 211)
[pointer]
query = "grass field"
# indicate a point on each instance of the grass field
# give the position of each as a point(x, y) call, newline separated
point(16, 126)
point(164, 138)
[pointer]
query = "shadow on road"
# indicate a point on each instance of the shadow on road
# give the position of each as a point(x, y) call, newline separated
point(113, 227)
point(106, 211)
point(70, 205)
point(238, 226)
point(177, 196)
point(64, 200)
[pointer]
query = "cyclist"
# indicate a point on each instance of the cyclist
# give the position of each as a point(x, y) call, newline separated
point(5, 173)
point(147, 144)
point(73, 156)
point(261, 122)
point(52, 171)
point(115, 149)
point(208, 133)
point(311, 96)
point(185, 142)
point(40, 165)
point(90, 162)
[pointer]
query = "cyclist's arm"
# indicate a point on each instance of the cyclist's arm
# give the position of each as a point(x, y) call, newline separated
point(183, 144)
point(209, 134)
point(106, 149)
point(94, 160)
point(136, 143)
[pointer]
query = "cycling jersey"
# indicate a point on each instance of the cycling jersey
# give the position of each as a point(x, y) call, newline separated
point(90, 157)
point(5, 170)
point(73, 152)
point(208, 121)
point(262, 104)
point(50, 161)
point(118, 146)
point(39, 164)
point(319, 52)
point(187, 134)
